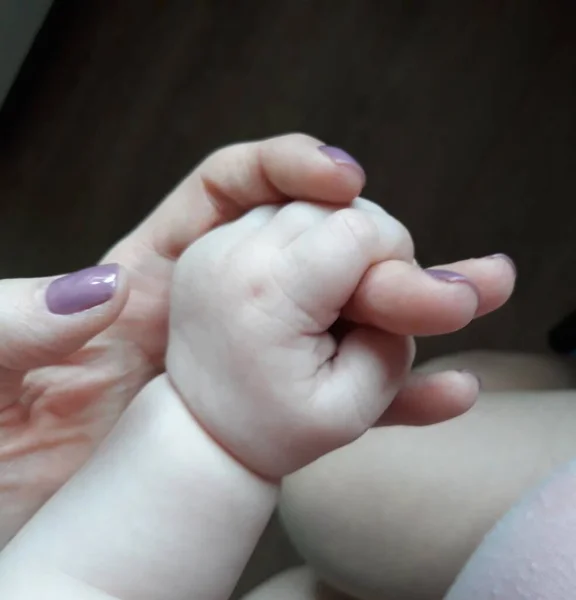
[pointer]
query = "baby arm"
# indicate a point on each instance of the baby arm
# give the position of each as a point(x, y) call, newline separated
point(173, 503)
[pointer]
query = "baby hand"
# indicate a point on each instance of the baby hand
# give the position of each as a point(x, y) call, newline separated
point(251, 348)
point(252, 354)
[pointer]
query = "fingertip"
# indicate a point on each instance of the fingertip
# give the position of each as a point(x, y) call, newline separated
point(451, 306)
point(503, 283)
point(473, 380)
point(47, 319)
point(446, 276)
point(98, 291)
point(121, 293)
point(458, 391)
point(461, 390)
point(237, 178)
point(303, 167)
point(494, 276)
point(427, 399)
point(508, 260)
point(402, 298)
point(81, 305)
point(347, 165)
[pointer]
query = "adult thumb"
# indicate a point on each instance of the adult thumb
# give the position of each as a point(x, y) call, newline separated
point(46, 319)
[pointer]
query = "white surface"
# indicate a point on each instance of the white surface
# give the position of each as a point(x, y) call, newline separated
point(20, 21)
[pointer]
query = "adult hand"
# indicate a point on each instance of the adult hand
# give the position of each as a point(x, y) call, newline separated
point(67, 395)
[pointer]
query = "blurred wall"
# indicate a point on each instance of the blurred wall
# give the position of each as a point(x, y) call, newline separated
point(461, 112)
point(20, 20)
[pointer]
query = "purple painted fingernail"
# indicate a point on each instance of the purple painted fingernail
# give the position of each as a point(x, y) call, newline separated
point(505, 257)
point(450, 277)
point(82, 290)
point(341, 157)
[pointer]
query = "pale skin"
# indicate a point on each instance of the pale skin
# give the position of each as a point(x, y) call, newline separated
point(255, 385)
point(407, 537)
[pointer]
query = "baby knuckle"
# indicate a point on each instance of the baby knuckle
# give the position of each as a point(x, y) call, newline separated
point(306, 212)
point(296, 137)
point(369, 206)
point(359, 226)
point(406, 247)
point(396, 238)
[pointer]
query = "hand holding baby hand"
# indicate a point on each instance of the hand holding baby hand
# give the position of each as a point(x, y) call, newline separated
point(251, 347)
point(253, 305)
point(254, 355)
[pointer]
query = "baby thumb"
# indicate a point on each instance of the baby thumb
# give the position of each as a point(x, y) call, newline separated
point(46, 319)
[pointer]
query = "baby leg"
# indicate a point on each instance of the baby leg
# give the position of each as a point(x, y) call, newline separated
point(397, 513)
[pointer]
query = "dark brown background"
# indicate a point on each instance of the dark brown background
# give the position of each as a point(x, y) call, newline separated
point(463, 114)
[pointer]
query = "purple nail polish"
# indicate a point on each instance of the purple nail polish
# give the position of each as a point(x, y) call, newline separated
point(505, 257)
point(341, 157)
point(82, 290)
point(450, 277)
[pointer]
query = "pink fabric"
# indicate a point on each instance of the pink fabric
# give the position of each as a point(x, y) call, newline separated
point(531, 553)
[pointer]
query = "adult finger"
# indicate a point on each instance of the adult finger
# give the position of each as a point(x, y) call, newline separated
point(295, 218)
point(432, 398)
point(325, 264)
point(494, 276)
point(44, 320)
point(407, 300)
point(242, 176)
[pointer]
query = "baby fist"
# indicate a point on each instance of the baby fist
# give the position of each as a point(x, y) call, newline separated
point(251, 350)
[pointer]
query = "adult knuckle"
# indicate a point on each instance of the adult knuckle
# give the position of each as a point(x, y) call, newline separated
point(296, 137)
point(227, 151)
